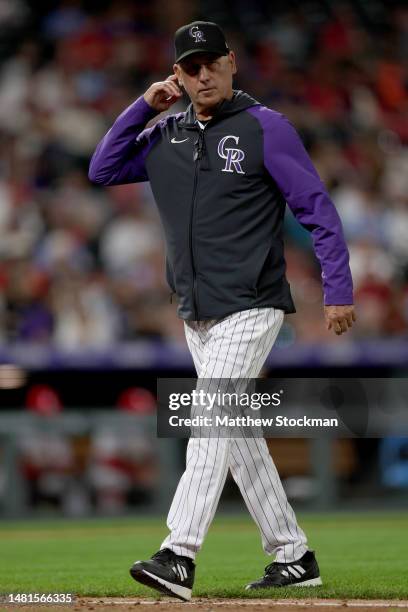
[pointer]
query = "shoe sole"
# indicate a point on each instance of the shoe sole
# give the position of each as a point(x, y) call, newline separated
point(161, 585)
point(306, 583)
point(311, 582)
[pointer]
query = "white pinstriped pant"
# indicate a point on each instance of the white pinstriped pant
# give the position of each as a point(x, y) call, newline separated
point(233, 347)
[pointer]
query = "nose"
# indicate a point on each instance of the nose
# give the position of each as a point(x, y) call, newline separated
point(204, 73)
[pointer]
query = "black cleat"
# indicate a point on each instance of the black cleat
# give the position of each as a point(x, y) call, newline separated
point(166, 572)
point(303, 572)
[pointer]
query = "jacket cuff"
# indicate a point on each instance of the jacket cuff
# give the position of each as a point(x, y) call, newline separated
point(339, 300)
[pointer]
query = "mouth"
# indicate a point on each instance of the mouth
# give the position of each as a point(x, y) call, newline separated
point(206, 90)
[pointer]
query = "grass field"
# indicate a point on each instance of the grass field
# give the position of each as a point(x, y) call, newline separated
point(360, 556)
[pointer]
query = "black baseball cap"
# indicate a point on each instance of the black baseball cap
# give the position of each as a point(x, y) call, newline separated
point(199, 37)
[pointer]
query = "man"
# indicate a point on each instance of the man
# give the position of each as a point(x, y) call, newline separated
point(221, 174)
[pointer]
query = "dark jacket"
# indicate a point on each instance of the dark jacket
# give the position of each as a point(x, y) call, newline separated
point(221, 196)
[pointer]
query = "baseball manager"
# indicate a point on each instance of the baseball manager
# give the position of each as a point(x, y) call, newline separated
point(221, 174)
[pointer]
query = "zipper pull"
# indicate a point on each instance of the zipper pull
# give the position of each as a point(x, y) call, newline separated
point(198, 149)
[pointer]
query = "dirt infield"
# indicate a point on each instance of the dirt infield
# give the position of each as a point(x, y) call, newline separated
point(243, 605)
point(117, 604)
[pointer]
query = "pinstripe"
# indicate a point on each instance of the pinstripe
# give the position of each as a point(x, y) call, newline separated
point(269, 340)
point(249, 455)
point(216, 360)
point(186, 494)
point(219, 488)
point(245, 458)
point(192, 345)
point(269, 460)
point(299, 536)
point(191, 447)
point(198, 523)
point(243, 488)
point(202, 374)
point(232, 348)
point(269, 326)
point(229, 346)
point(227, 352)
point(257, 365)
point(245, 494)
point(210, 442)
point(278, 497)
point(237, 352)
point(267, 343)
point(198, 489)
point(180, 494)
point(268, 497)
point(248, 345)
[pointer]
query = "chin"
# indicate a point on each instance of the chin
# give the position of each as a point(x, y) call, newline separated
point(212, 98)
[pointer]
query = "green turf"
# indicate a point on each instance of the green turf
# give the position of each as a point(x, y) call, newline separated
point(360, 555)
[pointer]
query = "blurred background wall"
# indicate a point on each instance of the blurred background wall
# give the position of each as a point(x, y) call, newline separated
point(86, 322)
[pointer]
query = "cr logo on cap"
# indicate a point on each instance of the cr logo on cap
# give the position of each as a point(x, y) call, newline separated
point(197, 34)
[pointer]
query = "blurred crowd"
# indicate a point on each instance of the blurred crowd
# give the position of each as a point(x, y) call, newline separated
point(84, 266)
point(104, 462)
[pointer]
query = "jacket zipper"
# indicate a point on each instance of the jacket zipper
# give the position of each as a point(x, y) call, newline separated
point(198, 149)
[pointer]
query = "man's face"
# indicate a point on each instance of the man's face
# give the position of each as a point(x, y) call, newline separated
point(206, 77)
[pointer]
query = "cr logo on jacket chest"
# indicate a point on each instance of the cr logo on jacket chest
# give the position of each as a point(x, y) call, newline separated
point(233, 157)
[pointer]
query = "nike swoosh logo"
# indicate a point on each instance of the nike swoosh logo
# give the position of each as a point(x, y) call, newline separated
point(174, 141)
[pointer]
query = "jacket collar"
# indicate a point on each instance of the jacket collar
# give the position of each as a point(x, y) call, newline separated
point(239, 102)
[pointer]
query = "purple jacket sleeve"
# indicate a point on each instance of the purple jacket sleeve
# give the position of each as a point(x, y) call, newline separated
point(290, 166)
point(120, 156)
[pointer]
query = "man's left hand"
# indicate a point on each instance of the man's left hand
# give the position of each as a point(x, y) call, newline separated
point(339, 318)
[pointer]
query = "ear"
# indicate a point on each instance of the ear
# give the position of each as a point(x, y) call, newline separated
point(231, 57)
point(177, 72)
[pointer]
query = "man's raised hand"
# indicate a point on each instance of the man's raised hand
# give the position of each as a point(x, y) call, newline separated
point(163, 94)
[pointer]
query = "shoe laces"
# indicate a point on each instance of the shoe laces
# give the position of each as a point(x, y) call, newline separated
point(163, 555)
point(275, 567)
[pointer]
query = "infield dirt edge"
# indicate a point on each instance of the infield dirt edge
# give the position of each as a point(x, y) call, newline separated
point(207, 603)
point(201, 604)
